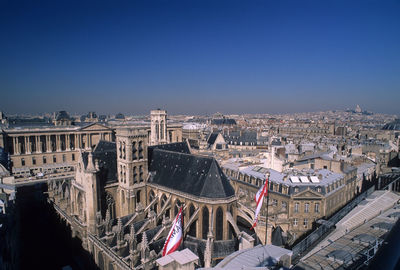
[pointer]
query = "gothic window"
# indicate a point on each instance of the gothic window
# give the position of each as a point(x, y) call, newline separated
point(205, 222)
point(219, 228)
point(192, 229)
point(138, 196)
point(163, 200)
point(177, 206)
point(134, 150)
point(140, 148)
point(110, 204)
point(124, 151)
point(134, 174)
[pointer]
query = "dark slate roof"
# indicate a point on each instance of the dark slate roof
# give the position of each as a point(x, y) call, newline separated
point(213, 136)
point(244, 136)
point(180, 147)
point(195, 175)
point(223, 121)
point(106, 153)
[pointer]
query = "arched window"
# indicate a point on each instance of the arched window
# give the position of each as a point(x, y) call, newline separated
point(192, 229)
point(124, 150)
point(205, 222)
point(138, 196)
point(110, 204)
point(162, 130)
point(177, 205)
point(157, 131)
point(219, 226)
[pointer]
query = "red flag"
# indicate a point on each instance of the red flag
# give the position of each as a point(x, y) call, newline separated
point(263, 191)
point(174, 238)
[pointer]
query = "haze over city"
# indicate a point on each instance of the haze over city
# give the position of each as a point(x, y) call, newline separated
point(199, 57)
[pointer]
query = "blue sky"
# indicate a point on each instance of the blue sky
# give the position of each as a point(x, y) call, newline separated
point(198, 57)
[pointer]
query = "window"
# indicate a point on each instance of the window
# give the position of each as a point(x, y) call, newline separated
point(296, 189)
point(306, 207)
point(64, 159)
point(33, 161)
point(316, 208)
point(73, 157)
point(22, 161)
point(274, 202)
point(325, 167)
point(284, 205)
point(54, 159)
point(305, 222)
point(295, 222)
point(44, 160)
point(296, 207)
point(318, 189)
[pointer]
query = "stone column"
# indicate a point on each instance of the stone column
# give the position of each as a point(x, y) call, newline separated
point(26, 142)
point(89, 140)
point(58, 143)
point(67, 142)
point(16, 146)
point(38, 146)
point(48, 143)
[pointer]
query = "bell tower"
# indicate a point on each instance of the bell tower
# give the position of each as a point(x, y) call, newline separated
point(132, 168)
point(158, 127)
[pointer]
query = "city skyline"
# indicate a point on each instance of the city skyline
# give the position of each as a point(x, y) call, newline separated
point(199, 57)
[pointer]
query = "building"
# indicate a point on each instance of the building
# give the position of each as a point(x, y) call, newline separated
point(297, 198)
point(125, 195)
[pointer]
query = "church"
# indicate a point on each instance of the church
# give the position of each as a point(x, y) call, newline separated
point(126, 194)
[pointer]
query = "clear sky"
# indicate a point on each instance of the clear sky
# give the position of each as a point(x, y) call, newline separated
point(199, 56)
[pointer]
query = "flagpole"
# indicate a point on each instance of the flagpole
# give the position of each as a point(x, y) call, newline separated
point(266, 216)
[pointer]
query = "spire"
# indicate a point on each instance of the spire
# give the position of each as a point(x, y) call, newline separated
point(120, 235)
point(90, 165)
point(108, 221)
point(132, 240)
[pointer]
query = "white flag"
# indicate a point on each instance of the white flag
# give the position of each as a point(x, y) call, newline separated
point(174, 238)
point(263, 191)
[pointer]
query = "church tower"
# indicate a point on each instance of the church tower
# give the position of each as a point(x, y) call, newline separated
point(158, 127)
point(132, 168)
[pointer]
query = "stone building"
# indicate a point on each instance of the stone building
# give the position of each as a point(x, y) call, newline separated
point(125, 195)
point(33, 147)
point(297, 198)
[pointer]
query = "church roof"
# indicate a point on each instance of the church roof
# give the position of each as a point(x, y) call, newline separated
point(213, 136)
point(191, 174)
point(106, 153)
